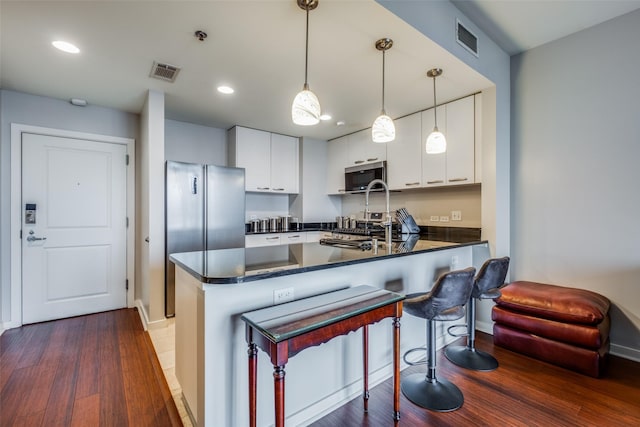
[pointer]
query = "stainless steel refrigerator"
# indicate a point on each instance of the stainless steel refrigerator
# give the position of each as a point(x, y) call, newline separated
point(204, 206)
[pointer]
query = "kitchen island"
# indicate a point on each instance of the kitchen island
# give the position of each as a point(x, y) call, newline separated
point(214, 288)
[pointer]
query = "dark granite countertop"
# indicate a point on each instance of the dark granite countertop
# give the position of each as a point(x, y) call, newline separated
point(229, 266)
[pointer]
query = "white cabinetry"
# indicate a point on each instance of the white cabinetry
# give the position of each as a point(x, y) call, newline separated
point(255, 240)
point(456, 120)
point(270, 160)
point(337, 160)
point(315, 236)
point(274, 239)
point(362, 149)
point(404, 155)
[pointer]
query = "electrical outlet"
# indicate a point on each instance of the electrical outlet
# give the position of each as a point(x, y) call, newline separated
point(434, 218)
point(444, 219)
point(456, 215)
point(282, 295)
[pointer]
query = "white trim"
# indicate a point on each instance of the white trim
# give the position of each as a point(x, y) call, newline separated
point(625, 352)
point(144, 318)
point(17, 130)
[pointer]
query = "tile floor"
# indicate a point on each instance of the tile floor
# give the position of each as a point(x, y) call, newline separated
point(164, 343)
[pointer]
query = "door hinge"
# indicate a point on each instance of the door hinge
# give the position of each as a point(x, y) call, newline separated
point(127, 284)
point(20, 234)
point(126, 159)
point(127, 222)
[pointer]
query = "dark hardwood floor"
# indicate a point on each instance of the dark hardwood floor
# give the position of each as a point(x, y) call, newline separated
point(95, 370)
point(521, 392)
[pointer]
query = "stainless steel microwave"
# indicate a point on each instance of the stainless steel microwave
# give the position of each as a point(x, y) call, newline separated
point(356, 178)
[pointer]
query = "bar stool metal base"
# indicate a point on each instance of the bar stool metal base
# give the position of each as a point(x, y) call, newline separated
point(471, 358)
point(436, 395)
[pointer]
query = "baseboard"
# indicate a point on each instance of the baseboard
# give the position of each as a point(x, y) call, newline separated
point(4, 326)
point(625, 352)
point(144, 317)
point(486, 327)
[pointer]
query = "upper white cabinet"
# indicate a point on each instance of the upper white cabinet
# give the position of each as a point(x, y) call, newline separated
point(270, 160)
point(457, 165)
point(337, 161)
point(404, 154)
point(362, 149)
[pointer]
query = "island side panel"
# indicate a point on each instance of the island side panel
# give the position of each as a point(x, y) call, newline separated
point(335, 368)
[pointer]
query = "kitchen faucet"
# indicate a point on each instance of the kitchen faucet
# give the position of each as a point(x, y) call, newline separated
point(387, 224)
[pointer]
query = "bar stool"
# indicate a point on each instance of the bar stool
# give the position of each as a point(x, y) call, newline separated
point(486, 285)
point(443, 302)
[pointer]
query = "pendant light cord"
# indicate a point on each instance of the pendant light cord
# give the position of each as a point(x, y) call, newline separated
point(306, 53)
point(435, 106)
point(383, 52)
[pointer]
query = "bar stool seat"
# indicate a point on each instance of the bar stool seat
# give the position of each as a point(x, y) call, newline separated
point(443, 302)
point(486, 285)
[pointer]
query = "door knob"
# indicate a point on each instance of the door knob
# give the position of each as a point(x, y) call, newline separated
point(34, 238)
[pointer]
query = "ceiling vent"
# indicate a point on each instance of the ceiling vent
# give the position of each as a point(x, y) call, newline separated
point(466, 38)
point(165, 72)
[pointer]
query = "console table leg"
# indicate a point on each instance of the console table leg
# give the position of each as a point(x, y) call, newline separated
point(365, 363)
point(278, 388)
point(253, 369)
point(396, 368)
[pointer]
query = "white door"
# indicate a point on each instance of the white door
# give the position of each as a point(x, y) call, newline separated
point(74, 240)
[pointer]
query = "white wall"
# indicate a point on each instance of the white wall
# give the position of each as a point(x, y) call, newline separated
point(151, 230)
point(576, 149)
point(313, 204)
point(191, 143)
point(17, 107)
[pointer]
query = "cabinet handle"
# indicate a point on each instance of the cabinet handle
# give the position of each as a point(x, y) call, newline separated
point(372, 159)
point(278, 189)
point(357, 162)
point(262, 188)
point(457, 179)
point(272, 238)
point(408, 184)
point(439, 181)
point(297, 236)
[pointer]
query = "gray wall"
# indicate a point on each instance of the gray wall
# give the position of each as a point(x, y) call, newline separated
point(16, 107)
point(190, 143)
point(575, 168)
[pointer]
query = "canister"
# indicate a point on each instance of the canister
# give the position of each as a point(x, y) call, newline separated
point(286, 222)
point(264, 225)
point(274, 223)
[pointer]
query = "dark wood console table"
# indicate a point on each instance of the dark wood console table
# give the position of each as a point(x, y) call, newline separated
point(284, 330)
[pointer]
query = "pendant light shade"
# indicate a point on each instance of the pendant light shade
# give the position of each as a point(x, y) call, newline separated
point(305, 109)
point(436, 142)
point(383, 129)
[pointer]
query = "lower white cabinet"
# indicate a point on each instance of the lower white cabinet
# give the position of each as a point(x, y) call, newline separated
point(315, 236)
point(274, 239)
point(255, 240)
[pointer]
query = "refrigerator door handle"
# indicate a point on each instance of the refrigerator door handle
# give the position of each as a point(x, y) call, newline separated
point(194, 185)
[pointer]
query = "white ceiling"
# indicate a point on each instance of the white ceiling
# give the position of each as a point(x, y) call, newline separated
point(258, 48)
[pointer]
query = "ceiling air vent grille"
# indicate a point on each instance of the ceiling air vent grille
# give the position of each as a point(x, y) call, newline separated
point(164, 72)
point(466, 38)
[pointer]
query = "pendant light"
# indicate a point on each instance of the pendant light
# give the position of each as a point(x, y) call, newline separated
point(436, 142)
point(383, 129)
point(305, 110)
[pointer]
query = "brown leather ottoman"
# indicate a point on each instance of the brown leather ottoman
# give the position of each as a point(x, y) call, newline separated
point(564, 326)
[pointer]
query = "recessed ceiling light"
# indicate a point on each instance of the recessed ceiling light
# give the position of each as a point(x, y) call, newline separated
point(340, 123)
point(325, 117)
point(65, 46)
point(225, 89)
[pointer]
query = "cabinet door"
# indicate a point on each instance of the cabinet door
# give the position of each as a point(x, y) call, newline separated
point(253, 148)
point(362, 149)
point(291, 238)
point(256, 240)
point(284, 164)
point(434, 165)
point(404, 155)
point(337, 150)
point(460, 141)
